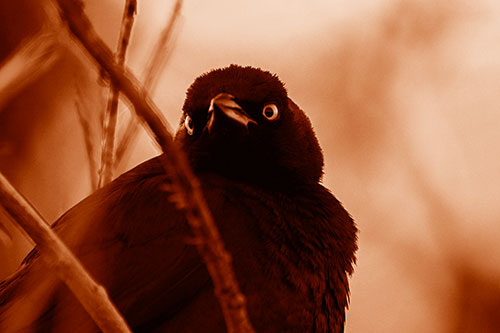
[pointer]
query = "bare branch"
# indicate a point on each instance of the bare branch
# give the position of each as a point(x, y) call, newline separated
point(162, 51)
point(106, 172)
point(156, 65)
point(211, 248)
point(87, 136)
point(91, 295)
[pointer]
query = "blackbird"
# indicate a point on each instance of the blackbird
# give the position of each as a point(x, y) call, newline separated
point(260, 165)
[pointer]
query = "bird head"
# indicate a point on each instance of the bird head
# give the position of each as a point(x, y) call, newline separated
point(239, 122)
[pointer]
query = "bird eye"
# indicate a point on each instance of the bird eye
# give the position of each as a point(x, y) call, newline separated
point(270, 112)
point(188, 124)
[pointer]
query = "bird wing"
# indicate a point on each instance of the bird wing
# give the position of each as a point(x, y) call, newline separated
point(131, 239)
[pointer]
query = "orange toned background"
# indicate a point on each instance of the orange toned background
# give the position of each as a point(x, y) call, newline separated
point(403, 95)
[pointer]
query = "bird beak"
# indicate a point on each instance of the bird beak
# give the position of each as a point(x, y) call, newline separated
point(225, 103)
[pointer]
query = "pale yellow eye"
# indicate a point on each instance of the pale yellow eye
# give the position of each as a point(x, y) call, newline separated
point(270, 112)
point(188, 124)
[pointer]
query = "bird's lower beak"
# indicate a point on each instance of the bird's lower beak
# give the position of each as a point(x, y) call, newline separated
point(224, 104)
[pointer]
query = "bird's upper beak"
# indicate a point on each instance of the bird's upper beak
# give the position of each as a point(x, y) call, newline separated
point(224, 104)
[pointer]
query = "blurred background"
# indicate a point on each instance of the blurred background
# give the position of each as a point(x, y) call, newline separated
point(403, 96)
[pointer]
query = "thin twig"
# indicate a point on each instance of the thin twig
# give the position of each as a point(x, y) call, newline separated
point(126, 141)
point(26, 64)
point(210, 247)
point(106, 171)
point(89, 145)
point(161, 52)
point(156, 65)
point(91, 295)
